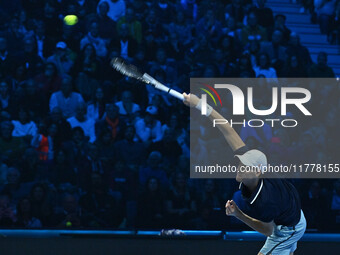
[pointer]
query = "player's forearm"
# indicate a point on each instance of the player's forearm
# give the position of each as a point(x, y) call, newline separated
point(261, 227)
point(233, 139)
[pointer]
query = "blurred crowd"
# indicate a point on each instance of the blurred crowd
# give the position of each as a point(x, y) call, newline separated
point(326, 14)
point(83, 147)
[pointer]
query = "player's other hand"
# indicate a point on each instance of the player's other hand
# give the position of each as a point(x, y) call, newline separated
point(231, 209)
point(190, 100)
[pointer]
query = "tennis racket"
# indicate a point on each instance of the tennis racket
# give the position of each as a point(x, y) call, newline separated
point(132, 71)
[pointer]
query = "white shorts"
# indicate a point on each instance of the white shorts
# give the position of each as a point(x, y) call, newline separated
point(284, 239)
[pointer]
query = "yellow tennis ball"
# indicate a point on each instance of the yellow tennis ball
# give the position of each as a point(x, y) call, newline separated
point(69, 224)
point(70, 20)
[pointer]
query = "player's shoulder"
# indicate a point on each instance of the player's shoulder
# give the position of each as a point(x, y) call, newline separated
point(278, 184)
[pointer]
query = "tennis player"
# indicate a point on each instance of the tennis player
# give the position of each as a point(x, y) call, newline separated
point(272, 205)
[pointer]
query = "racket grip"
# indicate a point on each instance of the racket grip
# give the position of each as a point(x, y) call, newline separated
point(160, 86)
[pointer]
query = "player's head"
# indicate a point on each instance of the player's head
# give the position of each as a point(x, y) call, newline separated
point(251, 165)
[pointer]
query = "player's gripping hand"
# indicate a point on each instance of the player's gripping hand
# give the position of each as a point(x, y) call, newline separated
point(231, 209)
point(190, 100)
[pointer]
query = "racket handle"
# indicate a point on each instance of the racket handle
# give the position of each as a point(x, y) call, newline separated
point(176, 94)
point(160, 86)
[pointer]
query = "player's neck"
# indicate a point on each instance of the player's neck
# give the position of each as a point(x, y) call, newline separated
point(251, 184)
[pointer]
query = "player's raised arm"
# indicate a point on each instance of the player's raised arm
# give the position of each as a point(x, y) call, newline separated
point(233, 139)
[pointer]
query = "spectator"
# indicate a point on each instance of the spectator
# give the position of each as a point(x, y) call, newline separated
point(7, 215)
point(85, 7)
point(61, 58)
point(116, 8)
point(81, 120)
point(253, 31)
point(93, 38)
point(334, 29)
point(105, 144)
point(149, 129)
point(15, 188)
point(51, 19)
point(164, 10)
point(275, 51)
point(96, 109)
point(209, 26)
point(210, 196)
point(90, 163)
point(111, 121)
point(106, 26)
point(5, 97)
point(62, 170)
point(254, 49)
point(174, 47)
point(127, 108)
point(236, 11)
point(44, 45)
point(24, 126)
point(264, 68)
point(3, 174)
point(294, 68)
point(63, 127)
point(31, 168)
point(176, 126)
point(325, 10)
point(335, 206)
point(43, 141)
point(65, 99)
point(149, 45)
point(312, 201)
point(29, 57)
point(32, 100)
point(265, 15)
point(15, 37)
point(70, 215)
point(280, 24)
point(12, 147)
point(129, 150)
point(151, 23)
point(125, 44)
point(24, 215)
point(7, 61)
point(161, 62)
point(168, 147)
point(153, 169)
point(104, 209)
point(150, 206)
point(123, 182)
point(71, 36)
point(244, 67)
point(190, 9)
point(295, 48)
point(88, 63)
point(86, 85)
point(134, 26)
point(49, 81)
point(76, 148)
point(180, 203)
point(321, 69)
point(181, 29)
